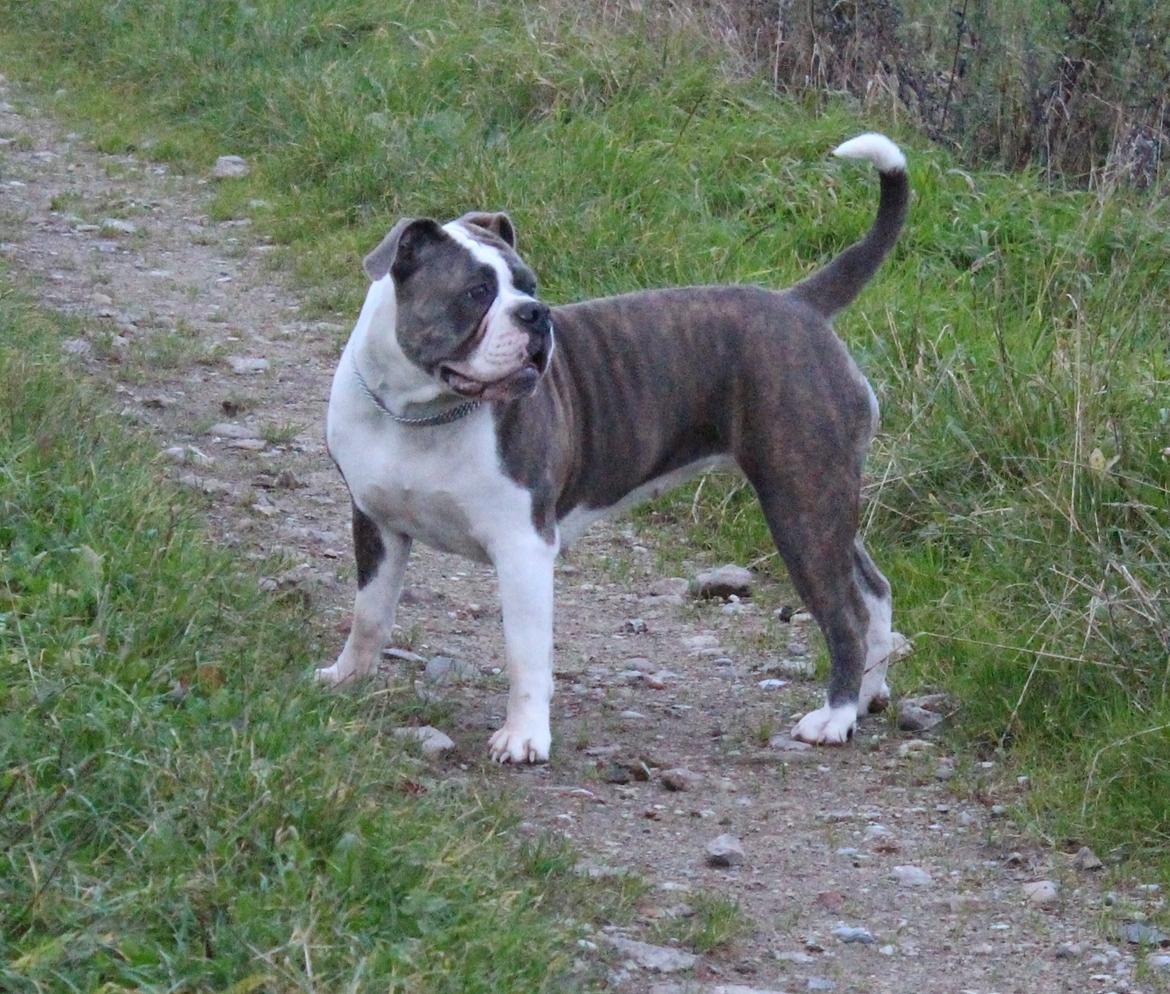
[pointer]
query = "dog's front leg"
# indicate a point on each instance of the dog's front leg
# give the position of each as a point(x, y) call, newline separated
point(381, 565)
point(525, 573)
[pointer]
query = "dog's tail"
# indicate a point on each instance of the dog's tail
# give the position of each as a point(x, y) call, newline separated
point(834, 286)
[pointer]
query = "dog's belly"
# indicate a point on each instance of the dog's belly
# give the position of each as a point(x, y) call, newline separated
point(578, 520)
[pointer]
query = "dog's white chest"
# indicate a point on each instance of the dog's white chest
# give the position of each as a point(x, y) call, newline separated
point(442, 486)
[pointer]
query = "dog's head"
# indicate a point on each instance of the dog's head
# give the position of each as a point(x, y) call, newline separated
point(466, 312)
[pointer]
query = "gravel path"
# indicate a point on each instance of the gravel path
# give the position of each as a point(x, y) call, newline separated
point(888, 866)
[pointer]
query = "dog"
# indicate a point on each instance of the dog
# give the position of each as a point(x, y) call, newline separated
point(467, 414)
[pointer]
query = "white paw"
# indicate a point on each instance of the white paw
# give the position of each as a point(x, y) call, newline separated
point(522, 742)
point(827, 725)
point(333, 676)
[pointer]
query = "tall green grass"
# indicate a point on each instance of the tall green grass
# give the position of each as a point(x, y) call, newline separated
point(1016, 337)
point(180, 809)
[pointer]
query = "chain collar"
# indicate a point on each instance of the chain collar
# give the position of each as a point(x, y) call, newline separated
point(427, 421)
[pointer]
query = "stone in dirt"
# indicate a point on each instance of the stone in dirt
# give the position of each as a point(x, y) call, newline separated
point(393, 652)
point(230, 167)
point(911, 876)
point(225, 429)
point(1086, 859)
point(1139, 934)
point(912, 718)
point(725, 850)
point(1158, 962)
point(119, 226)
point(786, 743)
point(723, 582)
point(716, 989)
point(659, 959)
point(680, 779)
point(432, 741)
point(444, 669)
point(1042, 893)
point(851, 934)
point(246, 365)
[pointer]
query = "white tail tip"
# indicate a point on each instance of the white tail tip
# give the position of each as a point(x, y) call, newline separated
point(878, 149)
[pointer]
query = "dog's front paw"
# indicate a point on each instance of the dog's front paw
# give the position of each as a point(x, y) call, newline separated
point(827, 725)
point(333, 676)
point(521, 742)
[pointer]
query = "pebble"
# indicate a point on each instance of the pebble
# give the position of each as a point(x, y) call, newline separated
point(848, 934)
point(78, 347)
point(914, 746)
point(187, 454)
point(230, 167)
point(723, 582)
point(1139, 933)
point(443, 669)
point(793, 668)
point(119, 226)
point(912, 718)
point(725, 850)
point(696, 644)
point(820, 984)
point(245, 365)
point(659, 959)
point(786, 743)
point(794, 957)
point(911, 876)
point(226, 429)
point(1086, 859)
point(670, 586)
point(1159, 962)
point(1041, 893)
point(635, 626)
point(680, 779)
point(393, 652)
point(432, 741)
point(772, 684)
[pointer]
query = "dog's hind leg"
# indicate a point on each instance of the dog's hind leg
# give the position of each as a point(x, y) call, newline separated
point(814, 527)
point(381, 565)
point(879, 635)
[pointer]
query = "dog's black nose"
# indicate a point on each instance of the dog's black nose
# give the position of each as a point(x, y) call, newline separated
point(532, 313)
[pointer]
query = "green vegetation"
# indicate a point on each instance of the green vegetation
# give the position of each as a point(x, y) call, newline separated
point(179, 807)
point(1016, 338)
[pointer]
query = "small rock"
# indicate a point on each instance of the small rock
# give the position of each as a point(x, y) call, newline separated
point(635, 626)
point(659, 959)
point(599, 871)
point(1139, 934)
point(246, 365)
point(658, 681)
point(786, 743)
point(912, 718)
point(432, 741)
point(188, 454)
point(286, 479)
point(820, 984)
point(881, 839)
point(801, 958)
point(444, 669)
point(1042, 893)
point(772, 684)
point(230, 167)
point(405, 655)
point(698, 644)
point(1069, 950)
point(911, 876)
point(78, 347)
point(1086, 859)
point(119, 226)
point(848, 933)
point(725, 850)
point(671, 586)
point(798, 669)
point(680, 779)
point(225, 429)
point(914, 746)
point(1158, 962)
point(723, 582)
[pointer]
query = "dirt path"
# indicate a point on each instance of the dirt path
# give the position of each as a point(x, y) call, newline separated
point(205, 346)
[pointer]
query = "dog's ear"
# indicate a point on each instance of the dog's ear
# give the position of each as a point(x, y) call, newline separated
point(401, 250)
point(498, 224)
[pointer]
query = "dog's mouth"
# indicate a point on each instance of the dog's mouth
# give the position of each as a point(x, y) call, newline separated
point(518, 383)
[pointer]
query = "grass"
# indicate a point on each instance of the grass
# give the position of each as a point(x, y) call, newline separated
point(1016, 337)
point(179, 807)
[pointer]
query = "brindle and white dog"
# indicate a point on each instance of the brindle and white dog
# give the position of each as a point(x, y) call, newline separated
point(469, 415)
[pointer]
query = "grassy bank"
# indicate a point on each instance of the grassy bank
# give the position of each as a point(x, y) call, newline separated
point(1016, 338)
point(179, 809)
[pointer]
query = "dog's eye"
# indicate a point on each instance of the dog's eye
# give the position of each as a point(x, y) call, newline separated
point(480, 293)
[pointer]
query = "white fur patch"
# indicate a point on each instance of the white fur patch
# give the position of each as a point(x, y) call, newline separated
point(827, 725)
point(875, 148)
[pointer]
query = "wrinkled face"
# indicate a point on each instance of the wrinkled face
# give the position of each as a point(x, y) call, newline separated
point(467, 313)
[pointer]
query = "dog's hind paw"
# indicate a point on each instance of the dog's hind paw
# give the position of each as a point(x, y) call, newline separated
point(332, 676)
point(827, 725)
point(520, 745)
